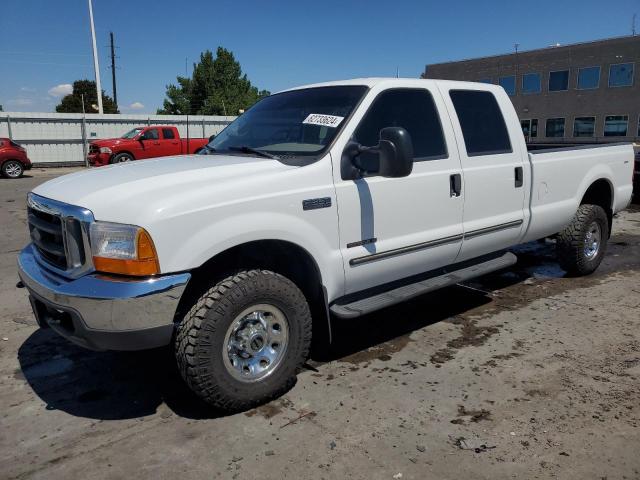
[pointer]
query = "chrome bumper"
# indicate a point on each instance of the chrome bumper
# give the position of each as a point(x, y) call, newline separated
point(103, 312)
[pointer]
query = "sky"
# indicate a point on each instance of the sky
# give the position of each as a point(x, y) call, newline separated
point(45, 44)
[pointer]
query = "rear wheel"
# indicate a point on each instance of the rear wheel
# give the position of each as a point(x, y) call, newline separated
point(581, 246)
point(121, 158)
point(244, 340)
point(12, 169)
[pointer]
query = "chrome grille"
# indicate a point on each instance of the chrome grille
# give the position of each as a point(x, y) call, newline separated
point(60, 234)
point(46, 234)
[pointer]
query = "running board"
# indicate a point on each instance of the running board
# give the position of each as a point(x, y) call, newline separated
point(370, 304)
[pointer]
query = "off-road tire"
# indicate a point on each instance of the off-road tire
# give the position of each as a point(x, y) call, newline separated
point(200, 339)
point(121, 158)
point(12, 169)
point(570, 243)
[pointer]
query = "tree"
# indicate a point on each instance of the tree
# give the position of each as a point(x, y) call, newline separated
point(216, 87)
point(72, 103)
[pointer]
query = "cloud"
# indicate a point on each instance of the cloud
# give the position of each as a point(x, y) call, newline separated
point(21, 102)
point(27, 89)
point(136, 106)
point(61, 90)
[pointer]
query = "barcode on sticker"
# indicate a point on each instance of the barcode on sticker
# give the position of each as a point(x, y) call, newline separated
point(324, 120)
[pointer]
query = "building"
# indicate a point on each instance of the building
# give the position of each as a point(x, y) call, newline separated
point(582, 93)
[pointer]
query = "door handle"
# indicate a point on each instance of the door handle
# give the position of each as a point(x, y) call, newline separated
point(455, 185)
point(519, 177)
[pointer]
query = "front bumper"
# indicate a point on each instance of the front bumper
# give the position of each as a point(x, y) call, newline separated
point(98, 159)
point(103, 312)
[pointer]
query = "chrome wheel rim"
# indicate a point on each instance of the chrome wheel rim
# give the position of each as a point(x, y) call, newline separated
point(124, 158)
point(13, 170)
point(256, 342)
point(592, 240)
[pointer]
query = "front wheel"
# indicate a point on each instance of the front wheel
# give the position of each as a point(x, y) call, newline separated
point(581, 246)
point(121, 158)
point(243, 342)
point(12, 169)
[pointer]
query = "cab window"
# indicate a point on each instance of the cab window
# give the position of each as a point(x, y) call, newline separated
point(412, 109)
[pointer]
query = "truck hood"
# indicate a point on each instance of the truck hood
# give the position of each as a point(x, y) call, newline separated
point(111, 142)
point(137, 192)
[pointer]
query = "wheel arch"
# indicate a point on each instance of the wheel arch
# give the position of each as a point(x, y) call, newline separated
point(600, 192)
point(115, 154)
point(281, 256)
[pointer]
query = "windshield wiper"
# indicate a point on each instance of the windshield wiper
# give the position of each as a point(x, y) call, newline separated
point(246, 149)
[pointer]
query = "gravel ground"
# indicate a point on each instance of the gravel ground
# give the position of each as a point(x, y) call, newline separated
point(522, 373)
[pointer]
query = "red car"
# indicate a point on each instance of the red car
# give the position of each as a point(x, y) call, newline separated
point(143, 142)
point(13, 159)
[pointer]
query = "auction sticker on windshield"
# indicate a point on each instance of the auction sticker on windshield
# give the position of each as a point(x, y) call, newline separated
point(324, 120)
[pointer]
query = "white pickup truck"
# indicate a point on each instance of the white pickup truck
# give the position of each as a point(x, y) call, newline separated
point(336, 199)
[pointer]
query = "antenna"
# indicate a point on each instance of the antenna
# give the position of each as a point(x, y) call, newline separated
point(633, 24)
point(397, 72)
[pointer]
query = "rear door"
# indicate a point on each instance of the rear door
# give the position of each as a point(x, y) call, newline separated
point(493, 169)
point(170, 143)
point(392, 228)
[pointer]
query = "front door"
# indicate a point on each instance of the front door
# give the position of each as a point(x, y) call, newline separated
point(150, 144)
point(392, 228)
point(493, 167)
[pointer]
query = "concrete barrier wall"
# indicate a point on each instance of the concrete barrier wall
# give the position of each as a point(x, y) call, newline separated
point(54, 139)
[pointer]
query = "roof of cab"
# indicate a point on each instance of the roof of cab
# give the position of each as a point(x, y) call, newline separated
point(399, 82)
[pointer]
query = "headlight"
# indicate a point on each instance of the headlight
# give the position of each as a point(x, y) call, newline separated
point(105, 150)
point(123, 249)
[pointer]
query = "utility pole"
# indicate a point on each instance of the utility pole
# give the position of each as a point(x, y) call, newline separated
point(113, 70)
point(633, 24)
point(96, 66)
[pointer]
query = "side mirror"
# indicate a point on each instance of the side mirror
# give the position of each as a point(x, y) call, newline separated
point(396, 152)
point(394, 156)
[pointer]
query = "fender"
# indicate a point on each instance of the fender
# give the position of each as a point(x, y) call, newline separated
point(234, 230)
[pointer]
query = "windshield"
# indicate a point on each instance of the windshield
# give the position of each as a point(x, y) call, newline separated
point(295, 123)
point(132, 133)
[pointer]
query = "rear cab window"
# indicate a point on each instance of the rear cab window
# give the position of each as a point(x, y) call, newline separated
point(167, 134)
point(412, 109)
point(482, 123)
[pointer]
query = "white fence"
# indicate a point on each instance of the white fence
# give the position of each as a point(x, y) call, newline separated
point(53, 139)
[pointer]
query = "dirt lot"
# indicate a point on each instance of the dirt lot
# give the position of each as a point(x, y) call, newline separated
point(520, 374)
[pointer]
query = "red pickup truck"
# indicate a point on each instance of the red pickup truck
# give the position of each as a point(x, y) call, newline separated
point(143, 142)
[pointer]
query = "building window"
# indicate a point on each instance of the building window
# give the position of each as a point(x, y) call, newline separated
point(616, 125)
point(534, 128)
point(588, 78)
point(509, 84)
point(638, 126)
point(559, 81)
point(485, 80)
point(555, 127)
point(483, 127)
point(531, 83)
point(584, 126)
point(621, 75)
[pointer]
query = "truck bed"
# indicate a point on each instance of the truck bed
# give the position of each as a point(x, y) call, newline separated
point(561, 176)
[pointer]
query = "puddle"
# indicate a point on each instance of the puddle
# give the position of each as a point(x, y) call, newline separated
point(470, 335)
point(382, 352)
point(271, 409)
